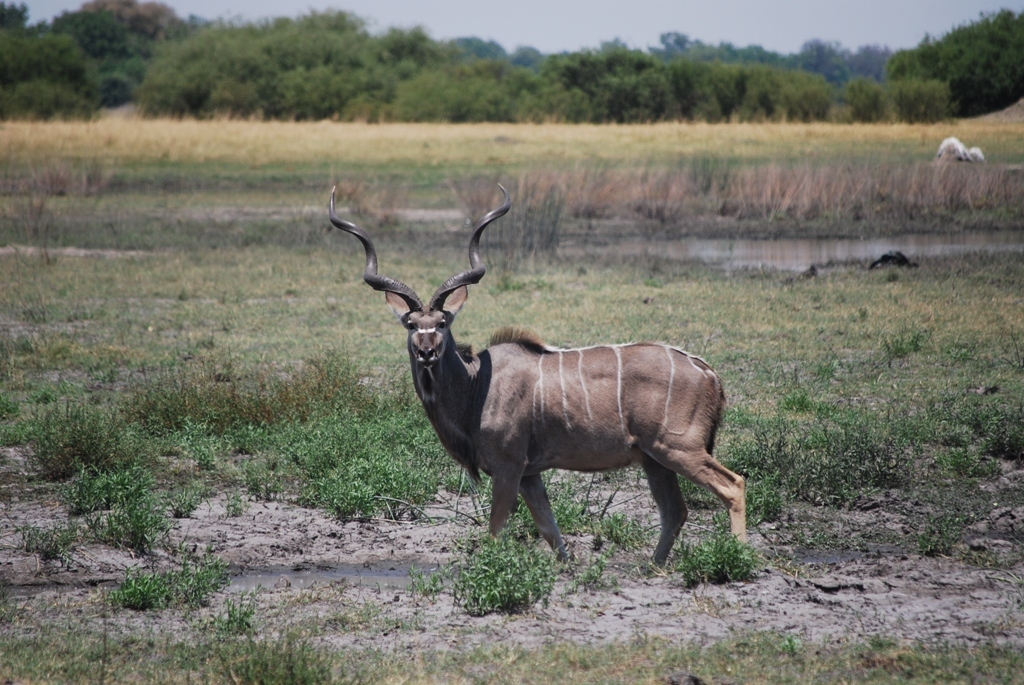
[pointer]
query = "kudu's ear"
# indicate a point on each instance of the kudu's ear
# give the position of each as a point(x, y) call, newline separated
point(397, 303)
point(458, 297)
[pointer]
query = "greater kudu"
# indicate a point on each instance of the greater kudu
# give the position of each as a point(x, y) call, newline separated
point(520, 408)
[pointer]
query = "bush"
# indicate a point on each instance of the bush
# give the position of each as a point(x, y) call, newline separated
point(720, 558)
point(185, 500)
point(502, 575)
point(920, 102)
point(237, 617)
point(983, 63)
point(829, 461)
point(866, 99)
point(8, 407)
point(76, 437)
point(44, 77)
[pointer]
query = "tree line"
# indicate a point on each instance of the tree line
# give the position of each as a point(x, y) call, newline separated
point(327, 65)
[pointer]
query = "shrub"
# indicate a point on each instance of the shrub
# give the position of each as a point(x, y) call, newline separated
point(920, 102)
point(764, 500)
point(8, 407)
point(75, 437)
point(829, 461)
point(217, 399)
point(502, 575)
point(263, 479)
point(866, 99)
point(720, 558)
point(903, 343)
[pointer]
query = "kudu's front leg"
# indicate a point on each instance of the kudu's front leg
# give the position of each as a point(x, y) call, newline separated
point(536, 497)
point(504, 495)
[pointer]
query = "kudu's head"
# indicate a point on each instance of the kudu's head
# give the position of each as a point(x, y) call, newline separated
point(429, 327)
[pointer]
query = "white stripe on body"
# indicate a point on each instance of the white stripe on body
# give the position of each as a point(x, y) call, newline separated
point(618, 388)
point(671, 379)
point(583, 384)
point(561, 382)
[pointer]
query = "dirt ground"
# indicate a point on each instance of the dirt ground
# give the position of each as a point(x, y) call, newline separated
point(350, 580)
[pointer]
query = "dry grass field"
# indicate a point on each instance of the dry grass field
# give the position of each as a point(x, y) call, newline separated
point(476, 147)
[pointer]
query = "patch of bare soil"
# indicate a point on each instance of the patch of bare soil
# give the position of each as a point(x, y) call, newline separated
point(1012, 114)
point(350, 580)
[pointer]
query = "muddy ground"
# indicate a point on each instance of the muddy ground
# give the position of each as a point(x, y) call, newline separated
point(348, 581)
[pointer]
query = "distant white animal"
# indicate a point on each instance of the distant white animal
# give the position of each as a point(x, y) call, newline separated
point(952, 150)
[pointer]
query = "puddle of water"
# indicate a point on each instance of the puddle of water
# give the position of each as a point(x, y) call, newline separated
point(791, 254)
point(394, 576)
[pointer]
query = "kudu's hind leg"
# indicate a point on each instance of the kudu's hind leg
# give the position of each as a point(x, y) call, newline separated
point(701, 469)
point(672, 509)
point(536, 498)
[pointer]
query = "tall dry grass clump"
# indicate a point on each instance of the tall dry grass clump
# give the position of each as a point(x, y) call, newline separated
point(902, 192)
point(533, 224)
point(374, 203)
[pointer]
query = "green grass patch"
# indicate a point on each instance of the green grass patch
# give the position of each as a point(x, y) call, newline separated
point(53, 543)
point(190, 585)
point(288, 661)
point(825, 460)
point(94, 490)
point(941, 535)
point(385, 463)
point(219, 398)
point(620, 530)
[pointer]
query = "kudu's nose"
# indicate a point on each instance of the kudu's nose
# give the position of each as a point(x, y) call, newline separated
point(426, 354)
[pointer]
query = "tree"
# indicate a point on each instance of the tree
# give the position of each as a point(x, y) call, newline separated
point(982, 63)
point(869, 62)
point(478, 48)
point(13, 17)
point(827, 59)
point(43, 77)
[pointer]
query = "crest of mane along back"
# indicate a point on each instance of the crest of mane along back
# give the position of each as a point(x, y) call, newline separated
point(518, 336)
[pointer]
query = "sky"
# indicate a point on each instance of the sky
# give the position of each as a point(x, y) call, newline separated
point(564, 25)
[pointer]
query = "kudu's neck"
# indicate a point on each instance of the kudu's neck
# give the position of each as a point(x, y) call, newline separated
point(448, 391)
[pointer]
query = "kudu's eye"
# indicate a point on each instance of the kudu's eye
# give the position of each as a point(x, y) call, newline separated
point(441, 325)
point(410, 325)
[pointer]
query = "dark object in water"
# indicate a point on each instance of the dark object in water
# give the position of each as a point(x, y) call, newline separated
point(894, 258)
